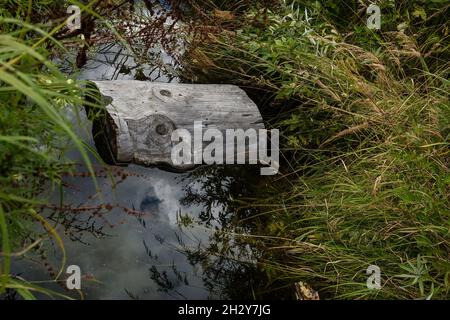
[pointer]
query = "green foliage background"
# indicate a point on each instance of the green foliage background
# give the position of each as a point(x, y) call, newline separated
point(364, 117)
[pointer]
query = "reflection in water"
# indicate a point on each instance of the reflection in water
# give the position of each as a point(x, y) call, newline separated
point(231, 260)
point(150, 234)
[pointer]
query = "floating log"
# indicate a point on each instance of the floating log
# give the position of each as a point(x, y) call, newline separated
point(140, 117)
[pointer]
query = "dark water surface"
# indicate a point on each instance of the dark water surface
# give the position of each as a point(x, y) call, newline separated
point(160, 235)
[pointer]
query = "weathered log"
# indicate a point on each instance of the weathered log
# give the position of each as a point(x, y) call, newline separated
point(140, 117)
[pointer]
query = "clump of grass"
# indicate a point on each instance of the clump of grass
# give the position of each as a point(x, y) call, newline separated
point(364, 117)
point(33, 136)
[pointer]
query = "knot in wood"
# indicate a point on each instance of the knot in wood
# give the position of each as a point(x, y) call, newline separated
point(159, 131)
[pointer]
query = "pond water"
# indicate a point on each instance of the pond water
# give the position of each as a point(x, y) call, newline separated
point(161, 236)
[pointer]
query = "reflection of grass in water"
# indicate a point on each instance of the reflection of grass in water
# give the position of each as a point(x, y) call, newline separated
point(229, 260)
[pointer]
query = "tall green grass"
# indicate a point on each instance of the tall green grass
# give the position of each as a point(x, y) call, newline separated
point(365, 124)
point(34, 132)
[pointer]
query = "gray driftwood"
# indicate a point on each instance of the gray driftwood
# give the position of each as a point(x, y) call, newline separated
point(141, 116)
